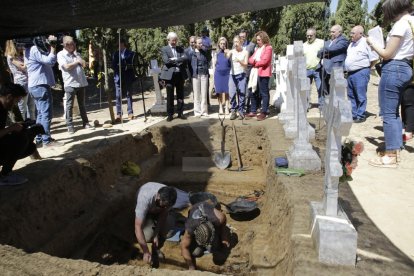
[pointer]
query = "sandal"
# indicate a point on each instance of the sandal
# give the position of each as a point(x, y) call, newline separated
point(407, 137)
point(385, 161)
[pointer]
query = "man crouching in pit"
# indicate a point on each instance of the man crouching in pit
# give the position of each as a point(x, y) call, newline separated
point(152, 220)
point(205, 229)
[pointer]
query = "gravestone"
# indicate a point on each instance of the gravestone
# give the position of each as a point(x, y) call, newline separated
point(160, 105)
point(279, 100)
point(301, 155)
point(286, 115)
point(334, 236)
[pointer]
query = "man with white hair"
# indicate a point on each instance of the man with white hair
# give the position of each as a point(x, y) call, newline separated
point(71, 64)
point(358, 62)
point(174, 72)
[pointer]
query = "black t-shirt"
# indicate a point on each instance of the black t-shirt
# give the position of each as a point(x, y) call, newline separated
point(3, 116)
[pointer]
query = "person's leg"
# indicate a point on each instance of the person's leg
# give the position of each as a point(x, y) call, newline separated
point(264, 92)
point(232, 93)
point(253, 102)
point(242, 91)
point(352, 95)
point(31, 106)
point(80, 95)
point(14, 147)
point(22, 104)
point(361, 85)
point(44, 102)
point(70, 96)
point(128, 90)
point(408, 109)
point(197, 95)
point(204, 94)
point(169, 85)
point(118, 98)
point(179, 88)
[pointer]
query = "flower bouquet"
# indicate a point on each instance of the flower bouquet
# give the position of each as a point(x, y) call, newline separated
point(349, 158)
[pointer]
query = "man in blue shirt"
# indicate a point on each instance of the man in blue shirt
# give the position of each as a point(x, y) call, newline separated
point(40, 60)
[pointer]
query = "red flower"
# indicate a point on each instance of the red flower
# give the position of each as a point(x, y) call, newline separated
point(358, 148)
point(348, 169)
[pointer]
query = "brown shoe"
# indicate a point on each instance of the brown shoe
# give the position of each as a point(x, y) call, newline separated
point(131, 117)
point(251, 114)
point(118, 119)
point(261, 116)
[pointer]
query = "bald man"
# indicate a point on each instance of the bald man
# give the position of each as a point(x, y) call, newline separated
point(358, 62)
point(333, 54)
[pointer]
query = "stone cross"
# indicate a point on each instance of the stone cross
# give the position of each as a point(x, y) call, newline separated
point(301, 155)
point(333, 234)
point(160, 105)
point(280, 95)
point(286, 115)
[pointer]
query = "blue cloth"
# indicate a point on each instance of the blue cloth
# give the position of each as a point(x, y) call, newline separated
point(127, 91)
point(315, 75)
point(335, 53)
point(222, 73)
point(44, 103)
point(237, 82)
point(357, 92)
point(264, 95)
point(396, 74)
point(39, 67)
point(199, 63)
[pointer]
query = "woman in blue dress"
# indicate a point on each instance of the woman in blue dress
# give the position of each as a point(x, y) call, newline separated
point(221, 76)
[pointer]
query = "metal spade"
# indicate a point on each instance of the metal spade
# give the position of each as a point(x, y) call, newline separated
point(222, 158)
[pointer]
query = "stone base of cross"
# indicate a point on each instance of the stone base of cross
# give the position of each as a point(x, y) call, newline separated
point(160, 105)
point(333, 234)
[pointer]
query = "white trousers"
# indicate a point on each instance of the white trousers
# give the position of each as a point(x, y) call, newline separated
point(200, 84)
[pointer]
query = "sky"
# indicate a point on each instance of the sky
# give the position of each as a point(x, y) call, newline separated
point(371, 4)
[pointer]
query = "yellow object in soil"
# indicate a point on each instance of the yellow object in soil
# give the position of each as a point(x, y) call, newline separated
point(130, 168)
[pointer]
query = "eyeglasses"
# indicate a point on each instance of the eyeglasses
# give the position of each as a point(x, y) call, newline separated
point(310, 35)
point(192, 42)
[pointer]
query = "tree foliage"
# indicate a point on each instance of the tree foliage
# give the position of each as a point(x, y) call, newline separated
point(350, 14)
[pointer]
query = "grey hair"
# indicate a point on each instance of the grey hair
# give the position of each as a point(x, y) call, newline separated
point(171, 35)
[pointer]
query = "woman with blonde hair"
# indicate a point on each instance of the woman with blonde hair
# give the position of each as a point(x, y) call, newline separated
point(260, 74)
point(221, 76)
point(396, 75)
point(15, 61)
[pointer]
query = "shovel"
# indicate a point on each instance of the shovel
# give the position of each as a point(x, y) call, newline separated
point(222, 158)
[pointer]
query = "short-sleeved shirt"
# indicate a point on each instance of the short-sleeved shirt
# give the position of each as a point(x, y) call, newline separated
point(146, 197)
point(359, 55)
point(19, 77)
point(310, 51)
point(74, 77)
point(237, 68)
point(403, 29)
point(39, 67)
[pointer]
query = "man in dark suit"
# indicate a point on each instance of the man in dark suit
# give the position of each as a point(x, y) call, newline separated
point(174, 72)
point(333, 54)
point(127, 77)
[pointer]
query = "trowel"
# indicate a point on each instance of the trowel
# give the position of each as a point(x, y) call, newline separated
point(222, 158)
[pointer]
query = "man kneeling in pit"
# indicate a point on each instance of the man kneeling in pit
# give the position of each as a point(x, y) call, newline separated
point(205, 229)
point(152, 219)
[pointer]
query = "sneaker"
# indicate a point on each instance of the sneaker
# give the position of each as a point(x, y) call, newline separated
point(88, 126)
point(233, 115)
point(53, 144)
point(71, 130)
point(12, 179)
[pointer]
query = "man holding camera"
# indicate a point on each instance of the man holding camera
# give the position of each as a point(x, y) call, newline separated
point(71, 64)
point(39, 60)
point(16, 141)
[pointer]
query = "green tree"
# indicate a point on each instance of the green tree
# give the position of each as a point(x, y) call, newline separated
point(350, 14)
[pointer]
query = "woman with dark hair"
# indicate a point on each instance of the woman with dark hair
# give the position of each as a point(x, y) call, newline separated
point(260, 74)
point(396, 75)
point(16, 65)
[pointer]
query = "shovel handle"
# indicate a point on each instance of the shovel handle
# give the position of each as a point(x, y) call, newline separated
point(239, 163)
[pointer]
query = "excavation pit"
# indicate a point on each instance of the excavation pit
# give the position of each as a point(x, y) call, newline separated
point(84, 210)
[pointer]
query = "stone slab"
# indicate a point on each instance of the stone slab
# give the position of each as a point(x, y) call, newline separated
point(335, 238)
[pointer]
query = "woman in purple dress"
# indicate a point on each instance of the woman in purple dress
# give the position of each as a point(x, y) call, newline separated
point(221, 76)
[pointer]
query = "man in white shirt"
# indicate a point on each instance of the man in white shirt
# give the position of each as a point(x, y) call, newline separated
point(71, 64)
point(358, 62)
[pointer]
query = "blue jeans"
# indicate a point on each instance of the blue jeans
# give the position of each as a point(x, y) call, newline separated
point(264, 93)
point(357, 92)
point(396, 74)
point(314, 75)
point(127, 91)
point(237, 82)
point(44, 103)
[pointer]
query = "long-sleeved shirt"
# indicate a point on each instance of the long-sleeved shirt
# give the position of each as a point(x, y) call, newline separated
point(39, 67)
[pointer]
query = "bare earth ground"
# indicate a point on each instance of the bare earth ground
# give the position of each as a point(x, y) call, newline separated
point(378, 201)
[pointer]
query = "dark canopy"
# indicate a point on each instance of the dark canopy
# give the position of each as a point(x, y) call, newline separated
point(29, 17)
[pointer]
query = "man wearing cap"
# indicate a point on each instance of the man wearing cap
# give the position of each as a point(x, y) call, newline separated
point(152, 220)
point(71, 64)
point(205, 229)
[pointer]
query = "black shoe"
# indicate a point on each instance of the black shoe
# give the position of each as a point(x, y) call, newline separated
point(182, 117)
point(169, 118)
point(360, 120)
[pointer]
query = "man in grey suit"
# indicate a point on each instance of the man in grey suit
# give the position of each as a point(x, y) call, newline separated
point(333, 54)
point(174, 72)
